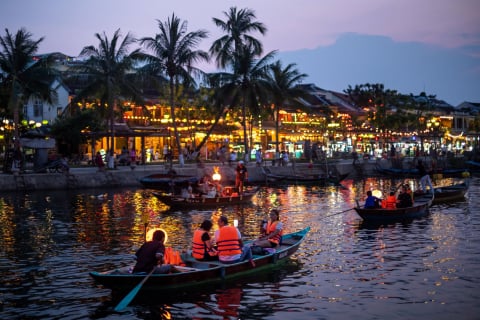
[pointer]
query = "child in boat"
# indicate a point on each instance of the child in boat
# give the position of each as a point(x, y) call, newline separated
point(150, 255)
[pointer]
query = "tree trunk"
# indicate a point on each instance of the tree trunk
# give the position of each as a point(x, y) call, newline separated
point(277, 115)
point(210, 130)
point(245, 137)
point(174, 122)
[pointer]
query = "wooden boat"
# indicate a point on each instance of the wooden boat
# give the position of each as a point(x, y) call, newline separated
point(455, 192)
point(168, 182)
point(178, 202)
point(420, 208)
point(196, 273)
point(312, 179)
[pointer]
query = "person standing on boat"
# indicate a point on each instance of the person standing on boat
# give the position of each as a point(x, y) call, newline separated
point(150, 255)
point(230, 245)
point(272, 231)
point(241, 176)
point(425, 177)
point(202, 246)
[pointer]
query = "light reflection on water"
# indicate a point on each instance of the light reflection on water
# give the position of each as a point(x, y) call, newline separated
point(50, 241)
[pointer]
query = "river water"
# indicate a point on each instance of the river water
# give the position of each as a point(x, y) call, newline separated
point(427, 268)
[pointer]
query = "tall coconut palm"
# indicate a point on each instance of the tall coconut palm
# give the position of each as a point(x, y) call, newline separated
point(174, 53)
point(238, 51)
point(237, 27)
point(24, 77)
point(109, 69)
point(246, 85)
point(284, 88)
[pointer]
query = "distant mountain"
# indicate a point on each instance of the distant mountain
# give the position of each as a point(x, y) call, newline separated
point(452, 75)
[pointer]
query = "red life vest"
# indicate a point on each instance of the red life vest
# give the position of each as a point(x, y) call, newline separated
point(271, 227)
point(391, 202)
point(228, 243)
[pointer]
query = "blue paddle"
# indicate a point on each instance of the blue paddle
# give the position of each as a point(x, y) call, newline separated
point(129, 297)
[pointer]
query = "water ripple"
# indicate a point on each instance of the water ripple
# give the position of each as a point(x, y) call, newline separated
point(423, 268)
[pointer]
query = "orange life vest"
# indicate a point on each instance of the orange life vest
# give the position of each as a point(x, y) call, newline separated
point(391, 202)
point(198, 246)
point(228, 243)
point(271, 227)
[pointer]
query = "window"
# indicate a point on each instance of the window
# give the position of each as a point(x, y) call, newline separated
point(37, 109)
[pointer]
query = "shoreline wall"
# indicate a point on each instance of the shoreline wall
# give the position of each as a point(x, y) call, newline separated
point(79, 178)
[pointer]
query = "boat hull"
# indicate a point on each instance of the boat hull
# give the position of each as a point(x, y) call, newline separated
point(202, 202)
point(450, 193)
point(418, 210)
point(198, 273)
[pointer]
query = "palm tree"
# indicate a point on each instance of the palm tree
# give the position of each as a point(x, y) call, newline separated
point(237, 28)
point(173, 53)
point(246, 85)
point(109, 69)
point(238, 51)
point(24, 77)
point(284, 89)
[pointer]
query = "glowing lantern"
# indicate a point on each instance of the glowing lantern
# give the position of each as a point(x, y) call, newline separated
point(151, 231)
point(216, 176)
point(377, 193)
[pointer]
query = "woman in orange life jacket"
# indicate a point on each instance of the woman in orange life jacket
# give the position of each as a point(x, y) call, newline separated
point(391, 201)
point(272, 231)
point(202, 247)
point(230, 245)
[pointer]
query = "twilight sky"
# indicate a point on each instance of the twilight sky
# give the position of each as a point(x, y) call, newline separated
point(442, 34)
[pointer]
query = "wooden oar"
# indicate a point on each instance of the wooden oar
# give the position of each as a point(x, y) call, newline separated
point(129, 297)
point(334, 214)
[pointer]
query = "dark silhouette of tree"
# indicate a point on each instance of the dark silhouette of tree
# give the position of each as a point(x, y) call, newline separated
point(174, 54)
point(25, 76)
point(109, 69)
point(284, 88)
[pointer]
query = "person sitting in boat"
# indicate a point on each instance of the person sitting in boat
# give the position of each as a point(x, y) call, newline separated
point(390, 202)
point(205, 184)
point(211, 193)
point(188, 192)
point(230, 245)
point(372, 202)
point(404, 198)
point(202, 246)
point(150, 255)
point(271, 231)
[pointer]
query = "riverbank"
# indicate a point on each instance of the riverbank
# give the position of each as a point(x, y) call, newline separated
point(125, 176)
